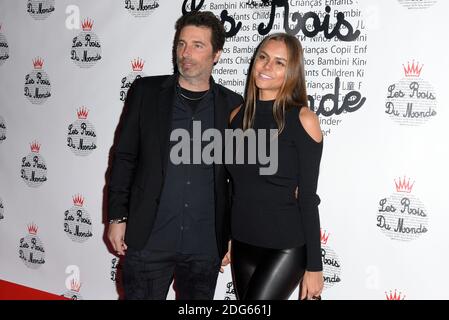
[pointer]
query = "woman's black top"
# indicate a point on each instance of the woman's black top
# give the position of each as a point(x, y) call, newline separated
point(265, 211)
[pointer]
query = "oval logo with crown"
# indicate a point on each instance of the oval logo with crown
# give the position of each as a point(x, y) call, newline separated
point(402, 216)
point(34, 169)
point(86, 47)
point(81, 136)
point(31, 248)
point(411, 101)
point(37, 83)
point(77, 221)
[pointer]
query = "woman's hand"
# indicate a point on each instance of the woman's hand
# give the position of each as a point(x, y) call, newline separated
point(312, 285)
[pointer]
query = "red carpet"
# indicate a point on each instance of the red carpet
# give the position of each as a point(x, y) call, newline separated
point(13, 291)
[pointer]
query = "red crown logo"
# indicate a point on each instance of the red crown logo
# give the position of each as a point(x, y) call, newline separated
point(82, 113)
point(32, 228)
point(78, 200)
point(324, 236)
point(35, 146)
point(87, 24)
point(38, 63)
point(75, 285)
point(394, 296)
point(413, 70)
point(137, 64)
point(403, 185)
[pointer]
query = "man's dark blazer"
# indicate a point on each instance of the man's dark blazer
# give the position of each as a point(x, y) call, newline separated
point(141, 154)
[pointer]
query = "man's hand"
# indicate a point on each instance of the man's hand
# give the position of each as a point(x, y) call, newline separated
point(116, 236)
point(227, 258)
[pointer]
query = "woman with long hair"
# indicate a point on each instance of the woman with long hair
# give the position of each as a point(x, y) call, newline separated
point(275, 222)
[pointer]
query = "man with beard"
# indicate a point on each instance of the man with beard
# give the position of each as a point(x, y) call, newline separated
point(171, 220)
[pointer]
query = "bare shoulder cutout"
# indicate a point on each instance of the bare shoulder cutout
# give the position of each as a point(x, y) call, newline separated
point(310, 122)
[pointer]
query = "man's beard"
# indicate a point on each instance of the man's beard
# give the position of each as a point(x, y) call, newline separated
point(181, 63)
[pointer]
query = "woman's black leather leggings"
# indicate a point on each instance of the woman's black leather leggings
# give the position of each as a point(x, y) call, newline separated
point(266, 274)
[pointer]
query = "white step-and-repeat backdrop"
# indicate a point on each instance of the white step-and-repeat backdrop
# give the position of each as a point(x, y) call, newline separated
point(377, 76)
